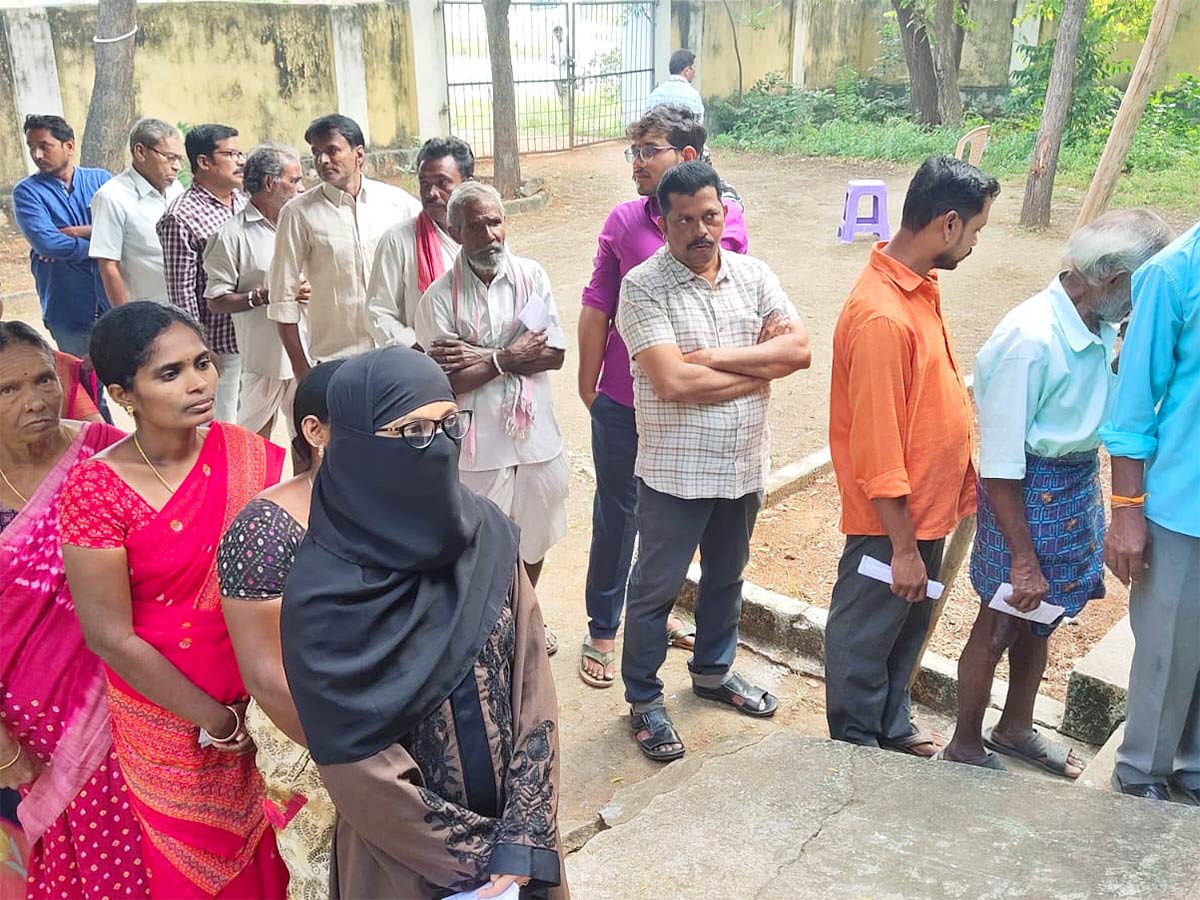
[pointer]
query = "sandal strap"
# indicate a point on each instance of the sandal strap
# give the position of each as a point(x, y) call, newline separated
point(751, 693)
point(658, 723)
point(598, 656)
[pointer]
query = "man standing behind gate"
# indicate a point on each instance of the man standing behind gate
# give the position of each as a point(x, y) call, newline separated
point(664, 137)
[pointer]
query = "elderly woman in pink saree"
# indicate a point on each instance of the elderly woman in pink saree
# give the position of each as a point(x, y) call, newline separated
point(56, 743)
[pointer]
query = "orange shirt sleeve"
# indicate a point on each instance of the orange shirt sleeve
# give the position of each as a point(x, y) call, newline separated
point(880, 374)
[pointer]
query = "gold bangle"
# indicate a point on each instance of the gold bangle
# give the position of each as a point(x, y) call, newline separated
point(12, 762)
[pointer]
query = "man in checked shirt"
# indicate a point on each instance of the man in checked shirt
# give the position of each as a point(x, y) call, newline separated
point(708, 331)
point(214, 198)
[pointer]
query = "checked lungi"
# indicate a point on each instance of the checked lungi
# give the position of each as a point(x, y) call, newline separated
point(1064, 509)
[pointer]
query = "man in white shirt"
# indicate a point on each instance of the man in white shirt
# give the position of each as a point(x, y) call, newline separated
point(329, 236)
point(491, 323)
point(677, 90)
point(414, 254)
point(126, 210)
point(236, 263)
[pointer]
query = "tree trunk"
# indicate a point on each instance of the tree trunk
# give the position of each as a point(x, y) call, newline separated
point(505, 145)
point(1039, 186)
point(737, 51)
point(922, 81)
point(1112, 160)
point(946, 46)
point(960, 34)
point(110, 114)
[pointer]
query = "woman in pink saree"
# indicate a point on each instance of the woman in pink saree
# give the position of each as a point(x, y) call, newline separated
point(55, 740)
point(141, 523)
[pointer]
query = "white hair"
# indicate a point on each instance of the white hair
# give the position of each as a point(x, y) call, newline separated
point(1118, 242)
point(266, 161)
point(151, 132)
point(470, 192)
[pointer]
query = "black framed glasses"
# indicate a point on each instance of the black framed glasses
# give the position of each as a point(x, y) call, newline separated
point(420, 433)
point(232, 154)
point(645, 154)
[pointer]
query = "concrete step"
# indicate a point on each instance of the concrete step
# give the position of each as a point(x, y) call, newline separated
point(1097, 688)
point(785, 816)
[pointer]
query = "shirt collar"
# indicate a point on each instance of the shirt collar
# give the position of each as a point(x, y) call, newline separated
point(683, 274)
point(141, 186)
point(678, 78)
point(901, 275)
point(1079, 336)
point(253, 214)
point(337, 196)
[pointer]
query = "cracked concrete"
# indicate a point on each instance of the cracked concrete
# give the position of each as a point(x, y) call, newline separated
point(791, 817)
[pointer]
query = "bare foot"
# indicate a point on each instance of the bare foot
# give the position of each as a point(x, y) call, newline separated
point(593, 668)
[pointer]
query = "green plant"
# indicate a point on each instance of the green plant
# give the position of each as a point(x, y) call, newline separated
point(1175, 111)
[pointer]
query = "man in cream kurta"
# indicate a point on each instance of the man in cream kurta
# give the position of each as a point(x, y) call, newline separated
point(328, 236)
point(470, 320)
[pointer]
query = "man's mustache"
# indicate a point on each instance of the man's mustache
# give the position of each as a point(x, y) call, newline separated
point(699, 243)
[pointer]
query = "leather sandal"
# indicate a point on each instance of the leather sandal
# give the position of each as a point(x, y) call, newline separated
point(741, 695)
point(661, 734)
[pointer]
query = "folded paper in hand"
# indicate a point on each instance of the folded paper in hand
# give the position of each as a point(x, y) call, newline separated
point(881, 571)
point(513, 893)
point(1045, 613)
point(535, 315)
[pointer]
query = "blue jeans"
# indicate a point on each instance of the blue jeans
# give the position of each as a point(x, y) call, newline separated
point(614, 522)
point(671, 529)
point(75, 339)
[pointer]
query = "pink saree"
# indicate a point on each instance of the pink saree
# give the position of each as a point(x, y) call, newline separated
point(201, 810)
point(86, 840)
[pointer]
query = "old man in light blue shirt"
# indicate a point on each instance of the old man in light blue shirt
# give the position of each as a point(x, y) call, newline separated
point(1042, 383)
point(1153, 435)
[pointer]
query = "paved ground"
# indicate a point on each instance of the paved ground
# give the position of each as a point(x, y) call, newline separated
point(792, 817)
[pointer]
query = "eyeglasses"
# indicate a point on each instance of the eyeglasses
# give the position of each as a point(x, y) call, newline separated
point(645, 154)
point(169, 157)
point(420, 433)
point(232, 154)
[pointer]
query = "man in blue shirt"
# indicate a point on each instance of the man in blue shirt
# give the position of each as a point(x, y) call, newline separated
point(1154, 540)
point(52, 209)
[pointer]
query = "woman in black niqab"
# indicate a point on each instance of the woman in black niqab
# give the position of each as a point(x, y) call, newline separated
point(409, 635)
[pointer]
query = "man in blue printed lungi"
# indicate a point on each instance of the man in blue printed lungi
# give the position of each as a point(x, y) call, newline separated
point(1043, 383)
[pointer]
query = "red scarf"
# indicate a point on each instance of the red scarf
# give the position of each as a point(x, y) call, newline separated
point(430, 263)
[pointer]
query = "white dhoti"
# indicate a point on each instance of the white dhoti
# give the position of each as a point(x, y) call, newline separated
point(534, 496)
point(261, 397)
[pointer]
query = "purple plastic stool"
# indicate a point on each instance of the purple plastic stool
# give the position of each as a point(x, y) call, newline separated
point(877, 222)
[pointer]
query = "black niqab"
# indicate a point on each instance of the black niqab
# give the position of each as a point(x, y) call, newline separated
point(402, 575)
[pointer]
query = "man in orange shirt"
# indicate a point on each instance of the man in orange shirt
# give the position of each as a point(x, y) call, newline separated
point(900, 424)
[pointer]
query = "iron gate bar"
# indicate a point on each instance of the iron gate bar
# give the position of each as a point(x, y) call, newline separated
point(562, 101)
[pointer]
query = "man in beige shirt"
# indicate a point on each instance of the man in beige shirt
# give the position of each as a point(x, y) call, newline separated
point(328, 236)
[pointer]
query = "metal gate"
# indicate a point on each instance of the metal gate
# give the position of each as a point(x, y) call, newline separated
point(582, 70)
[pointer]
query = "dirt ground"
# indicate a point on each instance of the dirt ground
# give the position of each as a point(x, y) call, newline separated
point(793, 211)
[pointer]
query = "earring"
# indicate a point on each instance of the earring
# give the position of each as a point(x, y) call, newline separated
point(321, 452)
point(128, 410)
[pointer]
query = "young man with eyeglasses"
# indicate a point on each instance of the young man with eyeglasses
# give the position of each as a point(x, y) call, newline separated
point(215, 197)
point(491, 323)
point(666, 136)
point(125, 214)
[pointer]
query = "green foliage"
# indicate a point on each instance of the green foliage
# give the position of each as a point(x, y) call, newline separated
point(1094, 100)
point(1175, 111)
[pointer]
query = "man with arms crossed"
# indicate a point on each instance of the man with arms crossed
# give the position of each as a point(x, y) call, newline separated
point(707, 332)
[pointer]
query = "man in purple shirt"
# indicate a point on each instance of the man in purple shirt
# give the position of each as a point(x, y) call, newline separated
point(664, 137)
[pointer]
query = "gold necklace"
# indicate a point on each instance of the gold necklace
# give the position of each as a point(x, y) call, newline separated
point(146, 459)
point(12, 487)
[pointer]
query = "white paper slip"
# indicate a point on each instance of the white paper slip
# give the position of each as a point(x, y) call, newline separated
point(535, 315)
point(513, 893)
point(1046, 613)
point(881, 571)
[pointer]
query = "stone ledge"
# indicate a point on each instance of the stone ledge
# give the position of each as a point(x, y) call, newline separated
point(1097, 687)
point(793, 631)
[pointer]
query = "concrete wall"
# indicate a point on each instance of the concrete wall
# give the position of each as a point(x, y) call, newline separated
point(266, 68)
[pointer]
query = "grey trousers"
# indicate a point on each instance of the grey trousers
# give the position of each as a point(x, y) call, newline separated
point(670, 530)
point(1162, 727)
point(872, 641)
